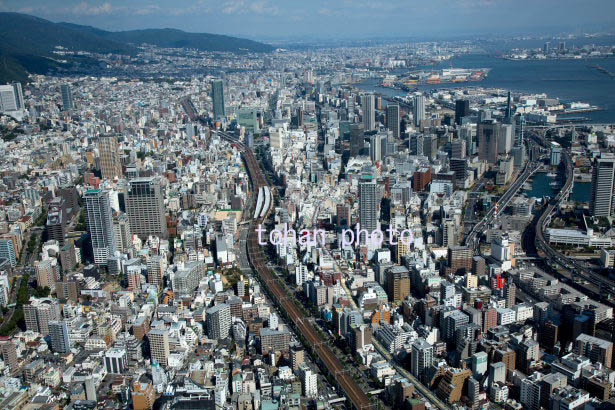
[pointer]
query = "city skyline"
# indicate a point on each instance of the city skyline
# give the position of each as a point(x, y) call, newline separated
point(275, 20)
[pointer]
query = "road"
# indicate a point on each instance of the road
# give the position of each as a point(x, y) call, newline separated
point(576, 268)
point(473, 238)
point(285, 303)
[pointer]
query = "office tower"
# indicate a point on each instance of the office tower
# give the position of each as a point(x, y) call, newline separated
point(416, 144)
point(546, 47)
point(110, 160)
point(7, 251)
point(39, 312)
point(603, 178)
point(398, 283)
point(55, 225)
point(116, 360)
point(458, 148)
point(9, 355)
point(488, 135)
point(448, 231)
point(217, 97)
point(11, 98)
point(393, 119)
point(422, 357)
point(479, 364)
point(67, 97)
point(505, 138)
point(60, 342)
point(90, 388)
point(156, 265)
point(218, 321)
point(508, 112)
point(375, 148)
point(510, 294)
point(430, 146)
point(368, 204)
point(453, 321)
point(356, 139)
point(497, 373)
point(464, 133)
point(530, 391)
point(596, 349)
point(450, 388)
point(460, 167)
point(421, 179)
point(145, 208)
point(419, 109)
point(121, 231)
point(369, 112)
point(143, 396)
point(99, 217)
point(159, 346)
point(462, 109)
point(343, 215)
point(274, 340)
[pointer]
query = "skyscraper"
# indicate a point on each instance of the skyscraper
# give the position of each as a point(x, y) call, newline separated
point(67, 97)
point(218, 321)
point(422, 357)
point(369, 112)
point(60, 342)
point(368, 204)
point(99, 217)
point(488, 135)
point(9, 355)
point(393, 119)
point(356, 139)
point(419, 109)
point(462, 109)
point(217, 97)
point(159, 346)
point(39, 312)
point(110, 162)
point(145, 208)
point(375, 147)
point(603, 178)
point(11, 97)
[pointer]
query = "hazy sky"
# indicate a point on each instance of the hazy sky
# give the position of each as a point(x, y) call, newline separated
point(327, 18)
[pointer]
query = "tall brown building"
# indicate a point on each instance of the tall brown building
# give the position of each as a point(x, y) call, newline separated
point(421, 179)
point(143, 396)
point(9, 355)
point(490, 318)
point(450, 387)
point(398, 283)
point(110, 161)
point(460, 259)
point(478, 266)
point(507, 356)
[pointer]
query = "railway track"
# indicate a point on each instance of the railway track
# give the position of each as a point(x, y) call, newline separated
point(346, 383)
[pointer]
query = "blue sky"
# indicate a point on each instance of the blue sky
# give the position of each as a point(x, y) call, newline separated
point(327, 18)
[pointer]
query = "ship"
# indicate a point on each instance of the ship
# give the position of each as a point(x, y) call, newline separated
point(551, 175)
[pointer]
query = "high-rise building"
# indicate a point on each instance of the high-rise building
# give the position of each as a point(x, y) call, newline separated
point(156, 265)
point(116, 360)
point(448, 231)
point(39, 312)
point(422, 357)
point(60, 342)
point(462, 109)
point(603, 178)
point(67, 97)
point(11, 98)
point(217, 97)
point(488, 135)
point(159, 346)
point(368, 204)
point(458, 148)
point(99, 217)
point(9, 355)
point(430, 146)
point(356, 139)
point(393, 119)
point(121, 230)
point(419, 109)
point(110, 161)
point(309, 381)
point(143, 396)
point(369, 112)
point(398, 283)
point(460, 259)
point(145, 208)
point(375, 147)
point(343, 215)
point(7, 251)
point(510, 294)
point(218, 320)
point(596, 349)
